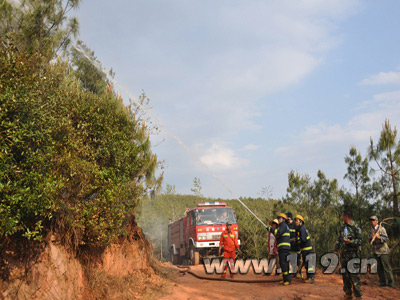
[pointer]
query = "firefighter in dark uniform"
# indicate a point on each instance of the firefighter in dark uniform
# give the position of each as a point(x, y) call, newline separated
point(282, 235)
point(349, 242)
point(304, 242)
point(294, 247)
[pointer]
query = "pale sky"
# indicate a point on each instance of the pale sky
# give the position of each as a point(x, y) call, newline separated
point(254, 89)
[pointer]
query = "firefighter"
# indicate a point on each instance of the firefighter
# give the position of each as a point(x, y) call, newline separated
point(304, 242)
point(282, 235)
point(224, 217)
point(294, 247)
point(272, 246)
point(230, 243)
point(349, 242)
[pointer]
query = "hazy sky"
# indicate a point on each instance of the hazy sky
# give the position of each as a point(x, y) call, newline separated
point(254, 88)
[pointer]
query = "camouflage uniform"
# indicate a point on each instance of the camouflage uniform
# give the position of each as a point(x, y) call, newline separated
point(381, 253)
point(349, 251)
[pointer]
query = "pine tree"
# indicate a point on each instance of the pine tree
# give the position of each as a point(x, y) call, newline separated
point(386, 153)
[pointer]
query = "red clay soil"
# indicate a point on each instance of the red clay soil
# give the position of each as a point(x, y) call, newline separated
point(325, 287)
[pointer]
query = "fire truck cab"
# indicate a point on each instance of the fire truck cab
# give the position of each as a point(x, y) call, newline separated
point(197, 235)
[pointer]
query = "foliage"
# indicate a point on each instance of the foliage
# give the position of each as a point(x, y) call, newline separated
point(88, 69)
point(75, 159)
point(196, 189)
point(69, 158)
point(266, 192)
point(252, 234)
point(37, 26)
point(27, 180)
point(154, 215)
point(357, 174)
point(318, 202)
point(386, 153)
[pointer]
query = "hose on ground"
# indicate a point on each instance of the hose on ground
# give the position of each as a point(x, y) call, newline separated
point(186, 269)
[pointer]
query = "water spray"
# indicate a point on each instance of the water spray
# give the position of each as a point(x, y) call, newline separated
point(169, 132)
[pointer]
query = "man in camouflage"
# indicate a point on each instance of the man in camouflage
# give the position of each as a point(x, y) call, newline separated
point(381, 252)
point(349, 242)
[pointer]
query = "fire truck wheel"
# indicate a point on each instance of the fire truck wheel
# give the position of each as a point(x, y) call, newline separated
point(180, 259)
point(194, 256)
point(173, 258)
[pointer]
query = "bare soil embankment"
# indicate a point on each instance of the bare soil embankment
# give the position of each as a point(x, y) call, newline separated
point(122, 271)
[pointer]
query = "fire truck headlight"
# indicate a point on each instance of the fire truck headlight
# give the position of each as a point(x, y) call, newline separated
point(201, 236)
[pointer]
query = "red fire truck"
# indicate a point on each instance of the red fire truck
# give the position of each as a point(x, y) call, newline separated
point(197, 235)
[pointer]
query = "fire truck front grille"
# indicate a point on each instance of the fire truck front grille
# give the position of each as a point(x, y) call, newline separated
point(216, 236)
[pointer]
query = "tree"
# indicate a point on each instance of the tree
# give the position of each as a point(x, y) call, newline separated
point(357, 170)
point(170, 190)
point(37, 26)
point(317, 201)
point(357, 174)
point(154, 215)
point(196, 189)
point(70, 161)
point(266, 192)
point(88, 69)
point(386, 154)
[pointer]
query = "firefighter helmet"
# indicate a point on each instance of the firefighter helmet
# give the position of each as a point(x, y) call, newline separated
point(300, 218)
point(272, 222)
point(282, 215)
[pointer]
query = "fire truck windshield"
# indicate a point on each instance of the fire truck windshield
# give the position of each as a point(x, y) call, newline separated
point(215, 215)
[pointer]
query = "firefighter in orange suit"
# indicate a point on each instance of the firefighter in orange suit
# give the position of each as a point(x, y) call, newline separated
point(230, 243)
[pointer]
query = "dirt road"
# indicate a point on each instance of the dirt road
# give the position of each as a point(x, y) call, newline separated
point(326, 287)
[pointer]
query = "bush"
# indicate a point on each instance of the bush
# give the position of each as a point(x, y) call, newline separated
point(70, 159)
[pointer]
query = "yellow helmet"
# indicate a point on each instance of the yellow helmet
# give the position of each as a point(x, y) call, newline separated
point(274, 221)
point(300, 218)
point(282, 215)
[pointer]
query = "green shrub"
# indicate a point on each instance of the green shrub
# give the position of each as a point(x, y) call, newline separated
point(71, 159)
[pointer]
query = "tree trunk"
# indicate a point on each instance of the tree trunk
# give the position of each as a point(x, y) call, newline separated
point(395, 199)
point(393, 175)
point(393, 249)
